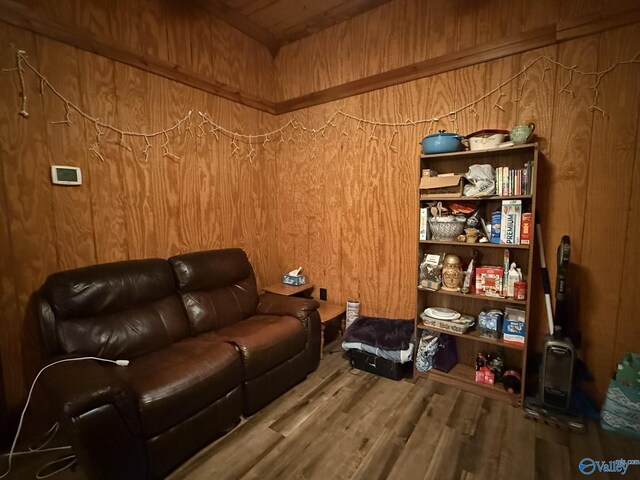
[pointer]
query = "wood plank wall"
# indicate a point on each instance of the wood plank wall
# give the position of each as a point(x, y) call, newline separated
point(346, 206)
point(342, 207)
point(127, 208)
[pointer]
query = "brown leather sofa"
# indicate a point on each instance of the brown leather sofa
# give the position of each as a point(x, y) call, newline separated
point(204, 349)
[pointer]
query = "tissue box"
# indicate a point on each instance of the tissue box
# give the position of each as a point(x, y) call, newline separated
point(293, 279)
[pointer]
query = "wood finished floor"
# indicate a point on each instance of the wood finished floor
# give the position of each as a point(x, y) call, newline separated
point(347, 424)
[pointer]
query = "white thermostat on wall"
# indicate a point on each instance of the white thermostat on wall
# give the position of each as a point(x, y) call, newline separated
point(65, 175)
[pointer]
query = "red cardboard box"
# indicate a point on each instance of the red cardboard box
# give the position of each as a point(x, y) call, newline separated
point(489, 281)
point(525, 230)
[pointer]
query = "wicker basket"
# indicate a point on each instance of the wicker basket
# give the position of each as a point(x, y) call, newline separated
point(446, 230)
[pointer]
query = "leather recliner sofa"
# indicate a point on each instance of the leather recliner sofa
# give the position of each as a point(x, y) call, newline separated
point(204, 348)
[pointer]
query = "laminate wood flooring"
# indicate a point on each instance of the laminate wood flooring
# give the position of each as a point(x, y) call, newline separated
point(342, 423)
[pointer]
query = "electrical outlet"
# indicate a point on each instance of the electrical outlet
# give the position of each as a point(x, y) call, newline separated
point(323, 294)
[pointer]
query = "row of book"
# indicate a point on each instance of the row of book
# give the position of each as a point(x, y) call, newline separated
point(513, 181)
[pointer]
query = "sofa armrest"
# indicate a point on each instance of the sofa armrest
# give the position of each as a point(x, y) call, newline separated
point(306, 310)
point(99, 413)
point(273, 304)
point(80, 385)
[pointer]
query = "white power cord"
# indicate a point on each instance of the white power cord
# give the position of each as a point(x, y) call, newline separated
point(12, 452)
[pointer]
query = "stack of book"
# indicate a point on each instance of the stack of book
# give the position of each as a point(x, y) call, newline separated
point(513, 181)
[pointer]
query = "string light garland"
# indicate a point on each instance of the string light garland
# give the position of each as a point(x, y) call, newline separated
point(205, 126)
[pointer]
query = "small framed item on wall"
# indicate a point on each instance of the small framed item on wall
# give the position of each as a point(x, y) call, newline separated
point(65, 175)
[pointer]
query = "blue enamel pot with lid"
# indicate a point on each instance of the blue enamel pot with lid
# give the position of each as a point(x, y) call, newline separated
point(441, 142)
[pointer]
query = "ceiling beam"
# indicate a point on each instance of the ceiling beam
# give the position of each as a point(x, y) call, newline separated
point(247, 26)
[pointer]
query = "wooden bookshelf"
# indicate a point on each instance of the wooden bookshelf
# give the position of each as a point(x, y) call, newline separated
point(474, 245)
point(472, 335)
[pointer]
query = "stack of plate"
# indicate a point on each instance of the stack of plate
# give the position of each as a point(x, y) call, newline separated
point(447, 319)
point(441, 313)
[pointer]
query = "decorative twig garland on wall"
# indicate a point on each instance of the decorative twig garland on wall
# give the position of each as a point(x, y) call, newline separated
point(204, 125)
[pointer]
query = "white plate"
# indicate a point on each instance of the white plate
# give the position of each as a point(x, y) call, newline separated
point(442, 313)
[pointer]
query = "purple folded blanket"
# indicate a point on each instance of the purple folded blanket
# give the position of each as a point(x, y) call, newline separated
point(387, 333)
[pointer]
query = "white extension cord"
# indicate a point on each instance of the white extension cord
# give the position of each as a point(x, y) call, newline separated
point(12, 452)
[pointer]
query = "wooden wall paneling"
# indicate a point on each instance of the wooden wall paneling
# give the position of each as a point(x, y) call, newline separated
point(470, 85)
point(200, 39)
point(535, 104)
point(94, 17)
point(373, 244)
point(178, 15)
point(65, 146)
point(505, 19)
point(443, 27)
point(265, 233)
point(578, 8)
point(613, 139)
point(535, 97)
point(152, 24)
point(330, 170)
point(473, 20)
point(29, 205)
point(242, 195)
point(415, 34)
point(105, 177)
point(208, 158)
point(353, 180)
point(191, 180)
point(64, 10)
point(140, 25)
point(497, 72)
point(397, 198)
point(166, 105)
point(124, 24)
point(570, 150)
point(311, 187)
point(628, 330)
point(540, 13)
point(133, 114)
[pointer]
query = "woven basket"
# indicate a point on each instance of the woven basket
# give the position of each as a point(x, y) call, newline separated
point(446, 230)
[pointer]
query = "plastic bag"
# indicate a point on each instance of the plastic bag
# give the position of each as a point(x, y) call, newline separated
point(482, 181)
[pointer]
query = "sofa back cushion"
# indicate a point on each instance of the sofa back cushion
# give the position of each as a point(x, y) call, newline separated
point(115, 310)
point(218, 287)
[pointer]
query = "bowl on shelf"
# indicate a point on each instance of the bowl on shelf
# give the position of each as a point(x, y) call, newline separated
point(446, 228)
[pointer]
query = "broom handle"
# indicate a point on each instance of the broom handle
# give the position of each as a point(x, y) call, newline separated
point(546, 285)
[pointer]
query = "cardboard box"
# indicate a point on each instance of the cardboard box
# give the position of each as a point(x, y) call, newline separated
point(489, 281)
point(442, 186)
point(510, 222)
point(513, 332)
point(514, 328)
point(526, 229)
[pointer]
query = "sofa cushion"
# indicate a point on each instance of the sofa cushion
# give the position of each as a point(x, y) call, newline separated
point(177, 382)
point(217, 287)
point(265, 341)
point(115, 310)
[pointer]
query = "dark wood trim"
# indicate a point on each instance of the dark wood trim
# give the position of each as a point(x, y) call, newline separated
point(240, 22)
point(550, 35)
point(22, 17)
point(588, 25)
point(471, 56)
